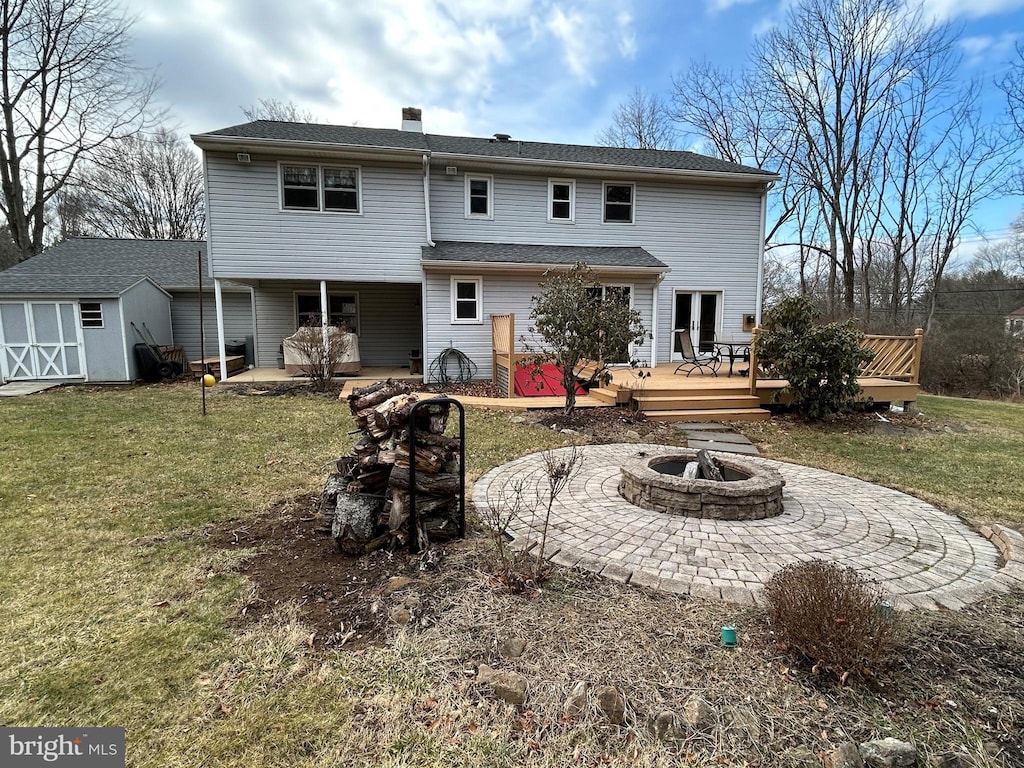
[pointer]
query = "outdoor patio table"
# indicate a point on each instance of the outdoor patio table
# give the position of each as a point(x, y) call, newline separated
point(734, 350)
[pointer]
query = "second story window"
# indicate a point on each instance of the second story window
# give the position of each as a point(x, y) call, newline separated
point(479, 197)
point(618, 203)
point(319, 188)
point(299, 187)
point(341, 189)
point(561, 200)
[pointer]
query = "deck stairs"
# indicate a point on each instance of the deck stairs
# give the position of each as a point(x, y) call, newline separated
point(686, 399)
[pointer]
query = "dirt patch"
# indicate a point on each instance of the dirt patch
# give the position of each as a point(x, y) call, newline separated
point(348, 601)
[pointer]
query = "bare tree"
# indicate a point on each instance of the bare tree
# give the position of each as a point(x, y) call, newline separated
point(283, 111)
point(642, 121)
point(148, 187)
point(69, 85)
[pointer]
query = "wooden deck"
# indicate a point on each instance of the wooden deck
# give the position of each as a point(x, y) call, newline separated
point(664, 396)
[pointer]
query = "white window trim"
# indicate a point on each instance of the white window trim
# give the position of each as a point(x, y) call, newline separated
point(295, 304)
point(81, 318)
point(453, 293)
point(572, 200)
point(604, 202)
point(320, 196)
point(470, 177)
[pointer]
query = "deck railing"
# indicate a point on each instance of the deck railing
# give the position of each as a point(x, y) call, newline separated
point(896, 357)
point(503, 353)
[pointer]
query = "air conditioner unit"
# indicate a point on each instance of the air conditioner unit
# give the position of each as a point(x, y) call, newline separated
point(243, 157)
point(451, 170)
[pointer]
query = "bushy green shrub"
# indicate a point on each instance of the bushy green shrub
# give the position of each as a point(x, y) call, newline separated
point(832, 618)
point(820, 362)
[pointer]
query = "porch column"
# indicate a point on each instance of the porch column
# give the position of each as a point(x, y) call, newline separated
point(324, 317)
point(219, 299)
point(654, 323)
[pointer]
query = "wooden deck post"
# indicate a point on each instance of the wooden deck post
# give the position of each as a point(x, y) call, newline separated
point(910, 406)
point(752, 371)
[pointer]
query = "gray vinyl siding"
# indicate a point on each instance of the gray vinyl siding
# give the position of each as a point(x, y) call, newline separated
point(185, 317)
point(104, 348)
point(148, 307)
point(251, 237)
point(390, 319)
point(708, 235)
point(503, 294)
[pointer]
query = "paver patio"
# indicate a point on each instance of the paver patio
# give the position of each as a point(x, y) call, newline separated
point(924, 557)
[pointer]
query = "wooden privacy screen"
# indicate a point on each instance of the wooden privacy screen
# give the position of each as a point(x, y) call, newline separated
point(504, 358)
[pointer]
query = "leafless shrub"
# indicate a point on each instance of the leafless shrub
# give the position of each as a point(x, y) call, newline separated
point(523, 497)
point(832, 618)
point(320, 352)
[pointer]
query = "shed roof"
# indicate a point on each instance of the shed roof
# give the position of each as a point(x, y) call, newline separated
point(273, 131)
point(621, 257)
point(94, 265)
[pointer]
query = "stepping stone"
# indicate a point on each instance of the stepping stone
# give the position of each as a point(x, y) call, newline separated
point(747, 449)
point(718, 437)
point(701, 426)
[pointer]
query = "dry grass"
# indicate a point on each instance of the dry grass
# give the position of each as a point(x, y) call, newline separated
point(114, 612)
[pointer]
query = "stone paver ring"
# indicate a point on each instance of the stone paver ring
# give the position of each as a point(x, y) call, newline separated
point(924, 557)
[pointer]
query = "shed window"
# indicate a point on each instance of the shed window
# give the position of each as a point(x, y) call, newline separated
point(91, 313)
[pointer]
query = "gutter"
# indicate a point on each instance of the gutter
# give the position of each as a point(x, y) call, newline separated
point(506, 266)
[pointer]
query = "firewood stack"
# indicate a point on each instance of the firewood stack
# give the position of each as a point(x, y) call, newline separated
point(365, 504)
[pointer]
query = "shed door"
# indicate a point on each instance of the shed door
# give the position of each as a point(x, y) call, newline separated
point(40, 340)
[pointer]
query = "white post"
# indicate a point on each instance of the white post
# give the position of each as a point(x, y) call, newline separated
point(219, 298)
point(324, 316)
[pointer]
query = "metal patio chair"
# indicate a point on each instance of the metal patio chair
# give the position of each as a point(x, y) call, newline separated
point(692, 361)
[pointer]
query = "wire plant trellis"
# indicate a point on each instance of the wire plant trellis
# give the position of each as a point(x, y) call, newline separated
point(452, 367)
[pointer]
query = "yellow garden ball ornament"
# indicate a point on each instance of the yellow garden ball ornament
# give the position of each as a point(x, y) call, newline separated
point(208, 380)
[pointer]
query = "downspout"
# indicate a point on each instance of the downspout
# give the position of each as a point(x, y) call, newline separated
point(430, 243)
point(426, 198)
point(760, 258)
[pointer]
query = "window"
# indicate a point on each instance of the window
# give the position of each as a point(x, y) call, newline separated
point(618, 203)
point(91, 313)
point(478, 197)
point(315, 188)
point(561, 200)
point(342, 309)
point(299, 187)
point(341, 189)
point(467, 306)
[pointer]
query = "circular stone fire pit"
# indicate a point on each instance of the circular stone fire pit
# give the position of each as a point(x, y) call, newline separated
point(748, 492)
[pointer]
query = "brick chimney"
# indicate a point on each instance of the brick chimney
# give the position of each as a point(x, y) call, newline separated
point(412, 119)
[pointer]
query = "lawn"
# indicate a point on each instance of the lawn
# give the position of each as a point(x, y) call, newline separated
point(117, 611)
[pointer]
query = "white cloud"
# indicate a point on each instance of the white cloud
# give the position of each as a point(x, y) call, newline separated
point(717, 6)
point(975, 9)
point(983, 48)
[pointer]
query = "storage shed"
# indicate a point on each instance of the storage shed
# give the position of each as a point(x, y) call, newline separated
point(68, 313)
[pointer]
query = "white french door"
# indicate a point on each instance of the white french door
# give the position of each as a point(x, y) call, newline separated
point(700, 313)
point(41, 340)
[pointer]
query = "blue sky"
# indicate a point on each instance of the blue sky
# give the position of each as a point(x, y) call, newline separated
point(543, 70)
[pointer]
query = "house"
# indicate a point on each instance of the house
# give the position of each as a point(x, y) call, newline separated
point(1015, 322)
point(413, 240)
point(76, 311)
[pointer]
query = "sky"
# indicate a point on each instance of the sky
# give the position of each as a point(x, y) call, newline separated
point(540, 70)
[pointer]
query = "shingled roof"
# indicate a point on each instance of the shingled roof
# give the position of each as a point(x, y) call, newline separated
point(94, 265)
point(542, 255)
point(463, 146)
